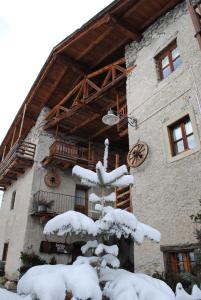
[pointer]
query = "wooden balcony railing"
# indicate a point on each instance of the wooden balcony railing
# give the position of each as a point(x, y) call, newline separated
point(195, 13)
point(66, 155)
point(20, 157)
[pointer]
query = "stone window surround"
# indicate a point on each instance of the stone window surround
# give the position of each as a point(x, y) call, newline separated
point(174, 119)
point(166, 52)
point(170, 250)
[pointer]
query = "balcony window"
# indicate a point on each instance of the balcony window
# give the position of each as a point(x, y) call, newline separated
point(181, 136)
point(168, 60)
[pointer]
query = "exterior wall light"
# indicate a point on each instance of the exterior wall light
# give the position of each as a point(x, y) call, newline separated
point(111, 119)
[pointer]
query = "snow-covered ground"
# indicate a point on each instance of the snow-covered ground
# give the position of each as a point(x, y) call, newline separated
point(50, 283)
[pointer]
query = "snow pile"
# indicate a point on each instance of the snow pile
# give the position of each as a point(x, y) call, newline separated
point(70, 222)
point(181, 294)
point(196, 292)
point(6, 295)
point(123, 285)
point(50, 282)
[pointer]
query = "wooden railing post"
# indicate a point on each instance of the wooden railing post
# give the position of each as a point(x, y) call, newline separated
point(196, 19)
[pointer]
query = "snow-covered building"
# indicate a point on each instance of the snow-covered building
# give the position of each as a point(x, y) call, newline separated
point(141, 59)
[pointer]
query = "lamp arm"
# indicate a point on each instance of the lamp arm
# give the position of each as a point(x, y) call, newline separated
point(132, 121)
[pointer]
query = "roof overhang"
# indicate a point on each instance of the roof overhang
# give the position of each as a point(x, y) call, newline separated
point(99, 42)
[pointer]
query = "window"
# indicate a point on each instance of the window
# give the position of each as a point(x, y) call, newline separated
point(13, 200)
point(181, 136)
point(81, 203)
point(5, 252)
point(179, 262)
point(168, 60)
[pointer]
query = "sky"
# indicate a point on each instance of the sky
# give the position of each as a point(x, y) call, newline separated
point(29, 29)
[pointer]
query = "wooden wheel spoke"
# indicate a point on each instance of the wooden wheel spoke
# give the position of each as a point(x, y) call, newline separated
point(137, 154)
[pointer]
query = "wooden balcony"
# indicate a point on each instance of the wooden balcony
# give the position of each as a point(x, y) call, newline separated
point(66, 155)
point(18, 159)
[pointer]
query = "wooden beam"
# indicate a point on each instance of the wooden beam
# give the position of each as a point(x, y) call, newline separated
point(81, 33)
point(57, 81)
point(94, 43)
point(77, 66)
point(129, 31)
point(89, 100)
point(95, 116)
point(110, 52)
point(167, 7)
point(22, 121)
point(102, 130)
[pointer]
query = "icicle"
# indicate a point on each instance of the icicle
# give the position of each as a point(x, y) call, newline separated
point(105, 159)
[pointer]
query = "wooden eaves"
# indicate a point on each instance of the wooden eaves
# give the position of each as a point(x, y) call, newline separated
point(99, 42)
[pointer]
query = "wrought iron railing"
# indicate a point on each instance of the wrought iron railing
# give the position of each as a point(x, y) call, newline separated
point(48, 202)
point(55, 203)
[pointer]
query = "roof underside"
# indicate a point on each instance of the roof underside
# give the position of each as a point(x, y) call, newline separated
point(96, 44)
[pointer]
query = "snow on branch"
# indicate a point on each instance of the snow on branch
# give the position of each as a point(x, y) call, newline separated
point(89, 245)
point(143, 231)
point(101, 248)
point(107, 198)
point(105, 158)
point(122, 223)
point(85, 174)
point(70, 222)
point(94, 198)
point(110, 260)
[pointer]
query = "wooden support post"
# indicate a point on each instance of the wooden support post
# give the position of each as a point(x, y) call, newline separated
point(57, 128)
point(117, 160)
point(4, 151)
point(11, 145)
point(89, 150)
point(22, 122)
point(196, 21)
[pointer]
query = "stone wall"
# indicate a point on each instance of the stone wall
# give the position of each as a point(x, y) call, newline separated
point(165, 193)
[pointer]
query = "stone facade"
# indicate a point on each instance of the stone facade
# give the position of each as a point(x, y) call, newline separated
point(22, 231)
point(166, 190)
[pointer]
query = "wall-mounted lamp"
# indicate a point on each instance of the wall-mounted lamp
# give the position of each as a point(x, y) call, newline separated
point(112, 119)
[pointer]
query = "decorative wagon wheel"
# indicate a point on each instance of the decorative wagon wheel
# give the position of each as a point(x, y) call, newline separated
point(52, 179)
point(137, 155)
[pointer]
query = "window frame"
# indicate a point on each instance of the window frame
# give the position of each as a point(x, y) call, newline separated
point(172, 263)
point(5, 251)
point(12, 204)
point(167, 52)
point(167, 145)
point(181, 124)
